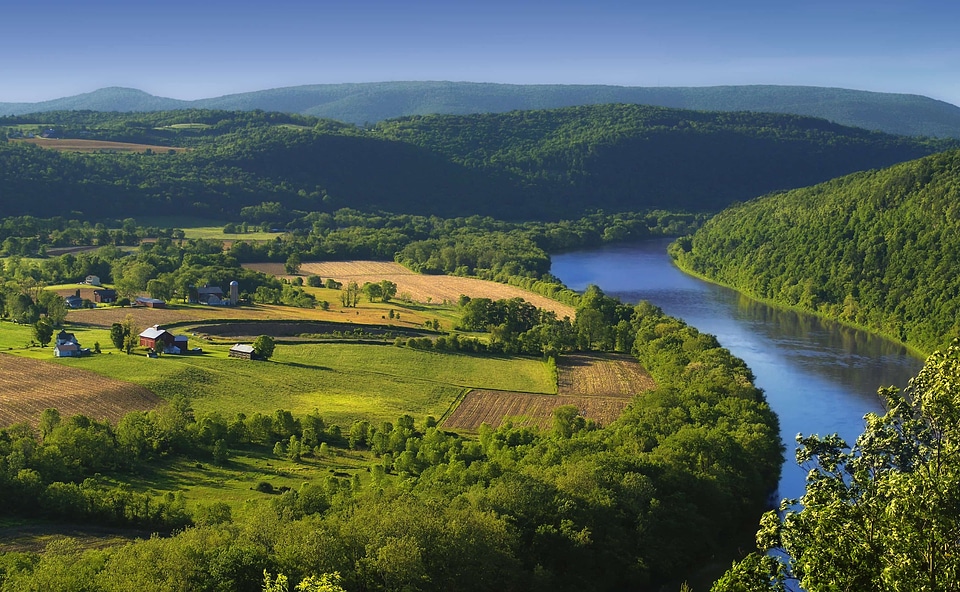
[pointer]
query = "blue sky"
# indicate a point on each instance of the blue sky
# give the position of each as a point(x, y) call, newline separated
point(189, 50)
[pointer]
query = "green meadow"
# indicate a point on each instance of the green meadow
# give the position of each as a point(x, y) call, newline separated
point(345, 382)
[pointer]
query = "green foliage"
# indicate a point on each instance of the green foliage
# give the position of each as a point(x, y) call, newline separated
point(519, 165)
point(263, 347)
point(875, 249)
point(43, 331)
point(882, 514)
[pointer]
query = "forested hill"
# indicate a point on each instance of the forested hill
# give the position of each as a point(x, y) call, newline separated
point(517, 165)
point(371, 102)
point(880, 249)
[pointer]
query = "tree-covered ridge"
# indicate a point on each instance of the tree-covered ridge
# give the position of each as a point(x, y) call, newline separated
point(878, 249)
point(371, 102)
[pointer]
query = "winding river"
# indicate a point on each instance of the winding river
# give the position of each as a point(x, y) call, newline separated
point(820, 377)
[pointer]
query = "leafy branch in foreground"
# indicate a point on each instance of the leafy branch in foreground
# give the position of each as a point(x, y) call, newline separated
point(880, 515)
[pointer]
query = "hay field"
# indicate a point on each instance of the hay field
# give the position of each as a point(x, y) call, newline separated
point(599, 385)
point(421, 288)
point(73, 145)
point(27, 387)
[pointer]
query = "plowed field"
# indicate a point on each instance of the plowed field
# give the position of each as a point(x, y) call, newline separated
point(422, 288)
point(601, 386)
point(27, 387)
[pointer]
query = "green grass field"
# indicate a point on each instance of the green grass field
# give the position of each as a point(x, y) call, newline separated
point(345, 382)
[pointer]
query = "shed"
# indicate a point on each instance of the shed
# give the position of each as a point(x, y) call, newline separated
point(242, 351)
point(150, 302)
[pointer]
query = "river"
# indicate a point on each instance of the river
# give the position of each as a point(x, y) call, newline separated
point(820, 377)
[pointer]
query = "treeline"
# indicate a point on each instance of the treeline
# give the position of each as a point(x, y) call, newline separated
point(875, 249)
point(543, 165)
point(628, 506)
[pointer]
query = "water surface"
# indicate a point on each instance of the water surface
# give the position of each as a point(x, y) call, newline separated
point(820, 377)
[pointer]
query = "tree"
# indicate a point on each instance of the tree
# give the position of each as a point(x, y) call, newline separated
point(131, 334)
point(263, 346)
point(43, 331)
point(372, 291)
point(388, 290)
point(117, 335)
point(881, 515)
point(292, 266)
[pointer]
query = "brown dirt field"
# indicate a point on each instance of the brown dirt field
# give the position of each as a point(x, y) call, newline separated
point(73, 145)
point(493, 407)
point(600, 385)
point(436, 288)
point(34, 537)
point(27, 387)
point(605, 375)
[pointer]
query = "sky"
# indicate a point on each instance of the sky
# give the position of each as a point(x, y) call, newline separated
point(198, 49)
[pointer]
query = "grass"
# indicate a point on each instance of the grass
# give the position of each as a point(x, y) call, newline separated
point(345, 382)
point(217, 233)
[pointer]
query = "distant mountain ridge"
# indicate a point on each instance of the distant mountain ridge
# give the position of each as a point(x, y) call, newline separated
point(359, 103)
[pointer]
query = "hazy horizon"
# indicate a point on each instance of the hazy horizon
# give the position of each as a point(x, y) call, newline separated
point(190, 51)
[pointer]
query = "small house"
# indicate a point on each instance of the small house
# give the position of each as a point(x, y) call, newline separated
point(93, 280)
point(156, 338)
point(150, 302)
point(73, 301)
point(64, 338)
point(66, 350)
point(242, 351)
point(105, 296)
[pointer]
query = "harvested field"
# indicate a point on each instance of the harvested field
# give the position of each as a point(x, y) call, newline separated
point(286, 329)
point(27, 387)
point(600, 385)
point(421, 288)
point(72, 145)
point(604, 375)
point(494, 407)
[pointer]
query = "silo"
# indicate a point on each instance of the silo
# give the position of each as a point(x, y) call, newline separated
point(234, 293)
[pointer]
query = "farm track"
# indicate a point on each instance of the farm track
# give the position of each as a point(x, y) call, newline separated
point(27, 387)
point(419, 287)
point(76, 145)
point(599, 385)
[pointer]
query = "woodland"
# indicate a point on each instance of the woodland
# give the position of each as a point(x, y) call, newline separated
point(677, 483)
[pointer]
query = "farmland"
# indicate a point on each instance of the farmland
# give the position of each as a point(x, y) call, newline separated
point(74, 145)
point(599, 386)
point(27, 387)
point(420, 288)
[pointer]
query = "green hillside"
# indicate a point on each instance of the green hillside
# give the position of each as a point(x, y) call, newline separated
point(878, 249)
point(517, 165)
point(904, 114)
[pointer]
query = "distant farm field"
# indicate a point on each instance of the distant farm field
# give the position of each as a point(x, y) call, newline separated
point(73, 145)
point(421, 288)
point(600, 386)
point(27, 387)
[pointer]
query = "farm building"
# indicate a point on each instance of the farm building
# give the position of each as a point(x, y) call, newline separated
point(105, 296)
point(242, 351)
point(64, 337)
point(161, 340)
point(66, 350)
point(156, 338)
point(214, 296)
point(149, 302)
point(74, 301)
point(93, 280)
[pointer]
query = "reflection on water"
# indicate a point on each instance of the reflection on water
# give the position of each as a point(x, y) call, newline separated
point(819, 376)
